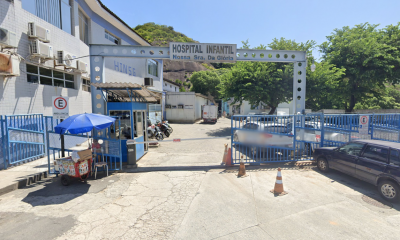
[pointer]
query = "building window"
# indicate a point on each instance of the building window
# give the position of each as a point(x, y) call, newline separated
point(152, 67)
point(165, 84)
point(111, 37)
point(56, 12)
point(175, 89)
point(83, 28)
point(86, 84)
point(49, 77)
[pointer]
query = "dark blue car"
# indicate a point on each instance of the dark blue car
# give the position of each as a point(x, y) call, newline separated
point(373, 161)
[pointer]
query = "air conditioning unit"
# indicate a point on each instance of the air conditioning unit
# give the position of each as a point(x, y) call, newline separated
point(38, 32)
point(7, 38)
point(42, 50)
point(66, 59)
point(9, 65)
point(81, 66)
point(148, 82)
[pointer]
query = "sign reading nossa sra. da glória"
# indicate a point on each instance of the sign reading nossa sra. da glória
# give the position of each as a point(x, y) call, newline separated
point(203, 52)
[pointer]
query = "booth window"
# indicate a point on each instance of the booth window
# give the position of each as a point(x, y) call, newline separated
point(112, 38)
point(56, 12)
point(83, 28)
point(152, 67)
point(49, 77)
point(125, 128)
point(86, 84)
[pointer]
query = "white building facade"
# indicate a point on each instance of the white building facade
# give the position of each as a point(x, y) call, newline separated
point(70, 25)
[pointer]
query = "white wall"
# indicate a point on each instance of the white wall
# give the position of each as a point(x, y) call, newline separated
point(192, 106)
point(17, 96)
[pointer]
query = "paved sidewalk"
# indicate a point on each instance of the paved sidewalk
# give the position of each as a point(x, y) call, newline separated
point(23, 175)
point(16, 177)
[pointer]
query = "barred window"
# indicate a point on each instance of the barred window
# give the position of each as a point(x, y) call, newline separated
point(83, 28)
point(112, 38)
point(152, 67)
point(56, 12)
point(86, 84)
point(39, 75)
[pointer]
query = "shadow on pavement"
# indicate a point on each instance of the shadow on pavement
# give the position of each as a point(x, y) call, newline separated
point(369, 191)
point(221, 132)
point(55, 193)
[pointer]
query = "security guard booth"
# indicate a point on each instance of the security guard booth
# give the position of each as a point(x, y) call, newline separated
point(128, 102)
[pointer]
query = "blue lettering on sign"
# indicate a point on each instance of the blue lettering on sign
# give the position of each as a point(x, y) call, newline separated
point(120, 67)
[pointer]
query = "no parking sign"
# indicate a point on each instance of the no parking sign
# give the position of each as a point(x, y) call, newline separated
point(363, 128)
point(60, 107)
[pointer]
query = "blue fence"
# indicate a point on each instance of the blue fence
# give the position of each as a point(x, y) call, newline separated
point(269, 138)
point(22, 138)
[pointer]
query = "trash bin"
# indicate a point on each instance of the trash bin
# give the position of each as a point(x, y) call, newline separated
point(131, 147)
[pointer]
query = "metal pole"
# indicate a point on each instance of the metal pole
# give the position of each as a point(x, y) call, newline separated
point(62, 142)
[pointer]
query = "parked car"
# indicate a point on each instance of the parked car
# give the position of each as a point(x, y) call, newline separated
point(373, 161)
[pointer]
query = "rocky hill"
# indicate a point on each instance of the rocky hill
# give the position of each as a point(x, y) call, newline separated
point(162, 35)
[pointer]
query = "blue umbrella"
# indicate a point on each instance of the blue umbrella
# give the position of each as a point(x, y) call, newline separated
point(82, 123)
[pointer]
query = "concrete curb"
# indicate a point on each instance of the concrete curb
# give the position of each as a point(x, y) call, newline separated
point(271, 166)
point(23, 182)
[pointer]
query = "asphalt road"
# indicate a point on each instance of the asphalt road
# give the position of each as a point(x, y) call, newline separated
point(200, 203)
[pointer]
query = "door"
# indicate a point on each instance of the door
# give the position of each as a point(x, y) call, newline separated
point(344, 158)
point(372, 163)
point(393, 168)
point(144, 123)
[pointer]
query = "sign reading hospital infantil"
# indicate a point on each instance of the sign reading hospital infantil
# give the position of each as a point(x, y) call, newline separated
point(204, 52)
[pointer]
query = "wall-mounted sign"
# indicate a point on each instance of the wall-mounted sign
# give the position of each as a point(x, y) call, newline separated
point(188, 106)
point(60, 107)
point(204, 52)
point(363, 128)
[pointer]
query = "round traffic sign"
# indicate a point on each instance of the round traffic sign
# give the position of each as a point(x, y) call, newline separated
point(60, 103)
point(364, 120)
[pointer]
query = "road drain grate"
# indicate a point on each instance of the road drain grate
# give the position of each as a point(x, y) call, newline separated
point(376, 202)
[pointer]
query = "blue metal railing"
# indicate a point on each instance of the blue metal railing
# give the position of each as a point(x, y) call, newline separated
point(23, 138)
point(307, 131)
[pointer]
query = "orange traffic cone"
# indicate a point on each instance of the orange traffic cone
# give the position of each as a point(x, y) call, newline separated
point(225, 153)
point(242, 169)
point(228, 159)
point(278, 189)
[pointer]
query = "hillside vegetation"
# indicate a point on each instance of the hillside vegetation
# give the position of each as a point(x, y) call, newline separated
point(161, 35)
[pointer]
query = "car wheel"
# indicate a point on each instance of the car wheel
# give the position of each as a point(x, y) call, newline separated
point(235, 138)
point(389, 190)
point(322, 164)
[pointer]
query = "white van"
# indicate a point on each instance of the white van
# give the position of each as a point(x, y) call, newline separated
point(210, 113)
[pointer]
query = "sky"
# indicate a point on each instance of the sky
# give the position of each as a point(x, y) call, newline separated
point(259, 21)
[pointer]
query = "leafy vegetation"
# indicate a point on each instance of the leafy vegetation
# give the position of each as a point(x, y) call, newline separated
point(370, 58)
point(160, 35)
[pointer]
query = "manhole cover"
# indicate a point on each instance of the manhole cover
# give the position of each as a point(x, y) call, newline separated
point(376, 202)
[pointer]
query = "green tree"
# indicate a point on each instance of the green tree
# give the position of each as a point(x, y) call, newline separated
point(369, 58)
point(263, 82)
point(205, 82)
point(321, 85)
point(182, 89)
point(178, 81)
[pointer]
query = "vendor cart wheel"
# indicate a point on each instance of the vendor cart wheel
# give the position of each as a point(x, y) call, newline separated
point(65, 180)
point(85, 177)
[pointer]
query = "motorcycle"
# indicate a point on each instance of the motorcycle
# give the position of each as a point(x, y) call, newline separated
point(164, 128)
point(154, 132)
point(169, 126)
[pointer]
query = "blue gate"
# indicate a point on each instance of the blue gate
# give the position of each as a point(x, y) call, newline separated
point(22, 138)
point(269, 138)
